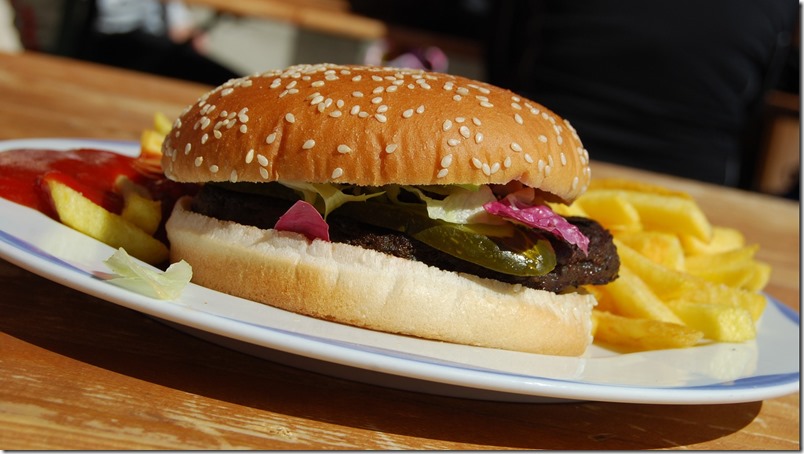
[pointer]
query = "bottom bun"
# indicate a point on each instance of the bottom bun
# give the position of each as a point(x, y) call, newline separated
point(369, 289)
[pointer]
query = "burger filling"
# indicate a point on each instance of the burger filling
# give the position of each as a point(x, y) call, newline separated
point(504, 233)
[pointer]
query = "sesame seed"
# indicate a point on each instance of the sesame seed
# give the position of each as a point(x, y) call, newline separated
point(486, 170)
point(476, 121)
point(354, 110)
point(442, 173)
point(516, 106)
point(335, 113)
point(213, 168)
point(243, 129)
point(407, 113)
point(204, 138)
point(233, 176)
point(198, 161)
point(547, 170)
point(291, 84)
point(420, 109)
point(574, 183)
point(363, 114)
point(270, 139)
point(542, 138)
point(477, 163)
point(217, 134)
point(379, 89)
point(264, 173)
point(343, 149)
point(530, 160)
point(356, 78)
point(560, 140)
point(462, 91)
point(382, 109)
point(357, 94)
point(459, 119)
point(457, 97)
point(507, 162)
point(337, 173)
point(187, 148)
point(262, 160)
point(227, 91)
point(205, 121)
point(376, 78)
point(391, 148)
point(316, 100)
point(563, 159)
point(516, 147)
point(465, 132)
point(486, 104)
point(446, 161)
point(495, 168)
point(376, 100)
point(250, 156)
point(290, 118)
point(381, 118)
point(318, 83)
point(518, 119)
point(478, 137)
point(447, 125)
point(308, 144)
point(550, 160)
point(453, 142)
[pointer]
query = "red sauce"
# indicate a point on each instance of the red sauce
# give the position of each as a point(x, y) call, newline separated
point(91, 172)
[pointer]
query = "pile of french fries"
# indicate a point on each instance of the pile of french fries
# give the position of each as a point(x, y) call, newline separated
point(682, 280)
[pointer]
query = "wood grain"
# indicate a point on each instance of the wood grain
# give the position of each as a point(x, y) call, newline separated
point(77, 372)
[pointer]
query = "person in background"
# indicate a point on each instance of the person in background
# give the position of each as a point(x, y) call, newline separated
point(152, 36)
point(668, 85)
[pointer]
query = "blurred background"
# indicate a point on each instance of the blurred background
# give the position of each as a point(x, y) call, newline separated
point(705, 90)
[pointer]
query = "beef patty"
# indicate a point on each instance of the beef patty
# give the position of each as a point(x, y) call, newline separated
point(573, 267)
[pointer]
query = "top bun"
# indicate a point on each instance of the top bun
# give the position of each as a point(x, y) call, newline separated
point(372, 126)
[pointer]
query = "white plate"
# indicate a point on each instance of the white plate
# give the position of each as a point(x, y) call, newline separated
point(708, 374)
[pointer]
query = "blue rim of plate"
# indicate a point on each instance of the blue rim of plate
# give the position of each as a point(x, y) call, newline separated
point(388, 361)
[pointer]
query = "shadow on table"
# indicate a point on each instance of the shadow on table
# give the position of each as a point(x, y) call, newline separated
point(116, 339)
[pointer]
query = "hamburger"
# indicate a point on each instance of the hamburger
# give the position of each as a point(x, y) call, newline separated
point(397, 200)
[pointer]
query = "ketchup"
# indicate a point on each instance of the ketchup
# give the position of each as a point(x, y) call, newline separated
point(91, 172)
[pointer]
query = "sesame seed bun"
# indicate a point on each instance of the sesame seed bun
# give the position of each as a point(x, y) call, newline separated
point(372, 126)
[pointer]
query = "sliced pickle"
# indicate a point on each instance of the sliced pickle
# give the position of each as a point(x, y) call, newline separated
point(518, 255)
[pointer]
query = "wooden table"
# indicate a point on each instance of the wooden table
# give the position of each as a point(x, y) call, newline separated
point(326, 16)
point(80, 373)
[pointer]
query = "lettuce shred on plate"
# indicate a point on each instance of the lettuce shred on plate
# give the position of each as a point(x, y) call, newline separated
point(138, 278)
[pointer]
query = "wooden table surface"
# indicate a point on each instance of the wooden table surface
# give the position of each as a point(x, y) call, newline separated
point(77, 372)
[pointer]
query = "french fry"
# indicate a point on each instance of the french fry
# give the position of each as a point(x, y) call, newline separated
point(668, 213)
point(633, 185)
point(138, 207)
point(660, 247)
point(611, 210)
point(80, 213)
point(716, 321)
point(723, 239)
point(634, 298)
point(642, 334)
point(735, 268)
